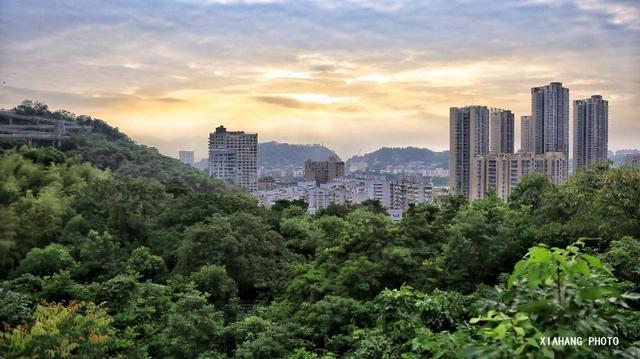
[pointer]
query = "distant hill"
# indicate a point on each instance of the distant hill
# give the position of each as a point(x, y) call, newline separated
point(395, 156)
point(275, 154)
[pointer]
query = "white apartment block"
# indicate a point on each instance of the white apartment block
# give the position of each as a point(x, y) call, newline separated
point(233, 156)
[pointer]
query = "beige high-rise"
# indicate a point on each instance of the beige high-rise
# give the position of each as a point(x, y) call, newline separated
point(233, 156)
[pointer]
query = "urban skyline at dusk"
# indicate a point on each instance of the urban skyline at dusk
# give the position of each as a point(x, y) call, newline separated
point(352, 75)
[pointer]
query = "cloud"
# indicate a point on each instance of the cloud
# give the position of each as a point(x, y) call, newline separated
point(306, 100)
point(625, 13)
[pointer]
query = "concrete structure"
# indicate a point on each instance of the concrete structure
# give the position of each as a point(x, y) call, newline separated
point(379, 190)
point(187, 157)
point(37, 130)
point(323, 171)
point(590, 131)
point(526, 135)
point(550, 116)
point(404, 192)
point(503, 171)
point(233, 156)
point(468, 137)
point(632, 160)
point(501, 130)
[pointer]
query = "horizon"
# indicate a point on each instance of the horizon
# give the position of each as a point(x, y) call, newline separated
point(354, 75)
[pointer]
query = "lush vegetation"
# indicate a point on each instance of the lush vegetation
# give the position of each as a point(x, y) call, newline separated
point(107, 256)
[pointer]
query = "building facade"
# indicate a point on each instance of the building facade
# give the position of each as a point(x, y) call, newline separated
point(501, 130)
point(187, 157)
point(590, 131)
point(504, 171)
point(468, 137)
point(323, 171)
point(550, 117)
point(233, 156)
point(526, 134)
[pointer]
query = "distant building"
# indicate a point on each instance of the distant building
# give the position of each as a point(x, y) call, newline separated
point(187, 157)
point(404, 192)
point(632, 160)
point(526, 134)
point(501, 130)
point(590, 128)
point(267, 184)
point(233, 157)
point(323, 171)
point(468, 137)
point(504, 171)
point(550, 116)
point(378, 189)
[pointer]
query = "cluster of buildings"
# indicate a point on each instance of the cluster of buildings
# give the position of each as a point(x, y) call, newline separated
point(394, 195)
point(325, 183)
point(412, 168)
point(482, 157)
point(482, 153)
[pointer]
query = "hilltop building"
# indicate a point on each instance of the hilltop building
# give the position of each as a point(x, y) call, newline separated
point(233, 156)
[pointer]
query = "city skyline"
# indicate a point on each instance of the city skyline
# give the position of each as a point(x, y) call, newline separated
point(353, 75)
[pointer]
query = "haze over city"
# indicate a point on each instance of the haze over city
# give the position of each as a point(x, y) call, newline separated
point(354, 75)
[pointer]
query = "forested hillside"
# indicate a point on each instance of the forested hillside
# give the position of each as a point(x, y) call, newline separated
point(386, 156)
point(279, 155)
point(103, 255)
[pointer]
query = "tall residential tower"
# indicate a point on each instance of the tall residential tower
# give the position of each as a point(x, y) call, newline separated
point(468, 137)
point(501, 130)
point(526, 135)
point(550, 116)
point(233, 156)
point(590, 131)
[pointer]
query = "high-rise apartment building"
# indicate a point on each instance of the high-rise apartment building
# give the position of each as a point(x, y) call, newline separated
point(590, 131)
point(187, 157)
point(323, 171)
point(468, 137)
point(503, 171)
point(233, 157)
point(501, 130)
point(526, 134)
point(550, 116)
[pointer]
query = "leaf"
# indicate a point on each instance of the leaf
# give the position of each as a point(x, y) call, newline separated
point(539, 255)
point(593, 261)
point(582, 267)
point(519, 330)
point(500, 331)
point(518, 271)
point(536, 306)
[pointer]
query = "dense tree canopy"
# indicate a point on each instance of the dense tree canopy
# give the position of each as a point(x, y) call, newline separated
point(108, 249)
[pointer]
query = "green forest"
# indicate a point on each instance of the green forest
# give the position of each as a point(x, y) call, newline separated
point(110, 249)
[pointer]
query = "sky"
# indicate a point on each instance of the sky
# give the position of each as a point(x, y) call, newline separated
point(354, 75)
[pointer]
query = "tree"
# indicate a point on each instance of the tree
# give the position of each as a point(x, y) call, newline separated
point(77, 330)
point(623, 256)
point(193, 328)
point(551, 293)
point(148, 265)
point(46, 261)
point(212, 280)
